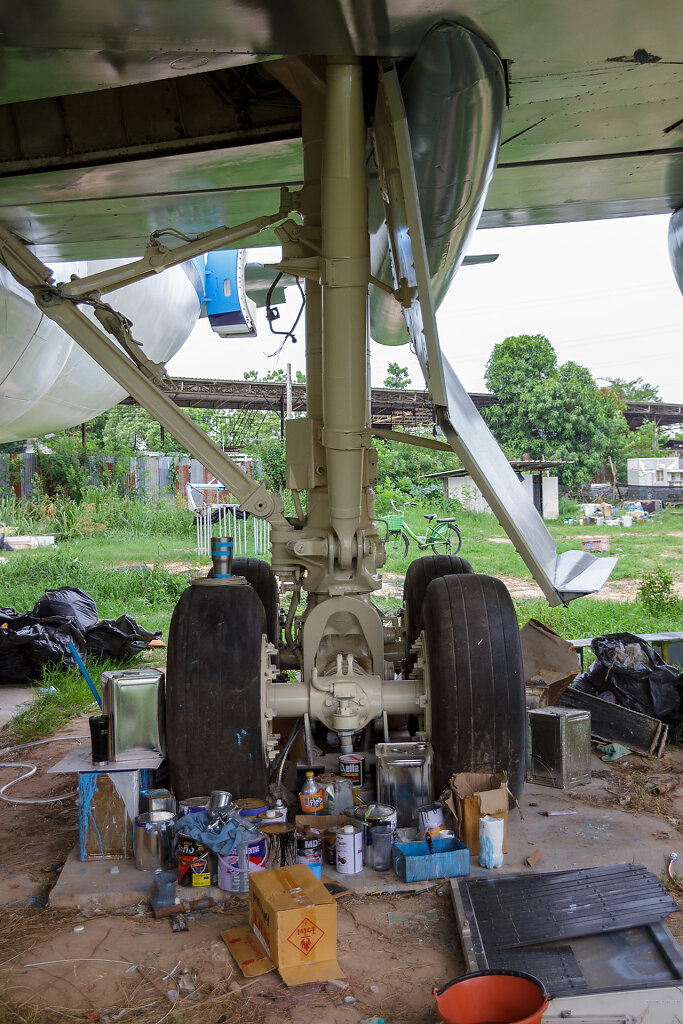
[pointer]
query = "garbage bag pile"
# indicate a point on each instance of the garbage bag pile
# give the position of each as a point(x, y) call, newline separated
point(629, 672)
point(30, 640)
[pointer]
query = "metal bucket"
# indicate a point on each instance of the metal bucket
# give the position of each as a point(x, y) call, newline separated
point(153, 841)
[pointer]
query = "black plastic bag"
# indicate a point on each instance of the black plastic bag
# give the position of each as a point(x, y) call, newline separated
point(69, 603)
point(633, 672)
point(120, 638)
point(27, 644)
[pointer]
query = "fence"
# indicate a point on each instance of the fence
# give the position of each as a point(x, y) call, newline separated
point(230, 522)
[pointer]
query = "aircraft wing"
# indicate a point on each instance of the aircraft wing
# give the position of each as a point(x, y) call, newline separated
point(119, 119)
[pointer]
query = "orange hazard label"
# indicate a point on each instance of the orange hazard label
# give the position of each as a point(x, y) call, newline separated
point(306, 936)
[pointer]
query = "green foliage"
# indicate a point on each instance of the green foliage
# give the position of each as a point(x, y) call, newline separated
point(397, 377)
point(271, 453)
point(101, 509)
point(655, 591)
point(402, 469)
point(636, 390)
point(555, 412)
point(61, 695)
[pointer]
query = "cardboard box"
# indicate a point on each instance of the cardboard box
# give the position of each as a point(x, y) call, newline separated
point(549, 662)
point(293, 922)
point(474, 795)
point(320, 821)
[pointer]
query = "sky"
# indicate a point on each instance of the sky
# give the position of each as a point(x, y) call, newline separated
point(602, 292)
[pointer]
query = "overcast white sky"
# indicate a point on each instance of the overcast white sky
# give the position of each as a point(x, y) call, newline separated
point(603, 292)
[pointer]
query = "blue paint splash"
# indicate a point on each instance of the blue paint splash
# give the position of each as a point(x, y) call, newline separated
point(239, 739)
point(88, 788)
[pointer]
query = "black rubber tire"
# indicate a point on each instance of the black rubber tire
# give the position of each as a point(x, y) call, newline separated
point(476, 676)
point(420, 574)
point(264, 582)
point(213, 708)
point(451, 542)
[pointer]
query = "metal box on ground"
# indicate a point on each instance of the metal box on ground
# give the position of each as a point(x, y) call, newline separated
point(558, 748)
point(107, 806)
point(404, 778)
point(134, 700)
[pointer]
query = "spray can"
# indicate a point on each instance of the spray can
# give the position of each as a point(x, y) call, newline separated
point(311, 795)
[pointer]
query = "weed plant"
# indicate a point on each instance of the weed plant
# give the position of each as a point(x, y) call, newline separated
point(61, 695)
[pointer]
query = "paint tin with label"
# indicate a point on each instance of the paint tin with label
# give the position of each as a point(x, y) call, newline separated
point(228, 866)
point(352, 767)
point(309, 850)
point(430, 817)
point(192, 805)
point(349, 849)
point(251, 807)
point(196, 863)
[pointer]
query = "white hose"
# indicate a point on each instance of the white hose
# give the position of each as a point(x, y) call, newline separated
point(33, 769)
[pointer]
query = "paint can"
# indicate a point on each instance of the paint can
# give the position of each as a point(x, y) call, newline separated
point(192, 805)
point(309, 850)
point(352, 767)
point(364, 795)
point(196, 863)
point(152, 800)
point(153, 840)
point(272, 815)
point(228, 864)
point(330, 845)
point(430, 817)
point(369, 816)
point(281, 845)
point(251, 807)
point(349, 849)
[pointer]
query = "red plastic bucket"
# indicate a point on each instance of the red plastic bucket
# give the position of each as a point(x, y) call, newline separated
point(492, 997)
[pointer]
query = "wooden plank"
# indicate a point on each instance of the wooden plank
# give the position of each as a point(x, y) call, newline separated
point(616, 724)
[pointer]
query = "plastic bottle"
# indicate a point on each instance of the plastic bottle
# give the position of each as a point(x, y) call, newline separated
point(311, 795)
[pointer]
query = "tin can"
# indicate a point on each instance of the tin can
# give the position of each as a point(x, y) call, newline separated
point(251, 807)
point(349, 849)
point(430, 817)
point(152, 800)
point(309, 850)
point(369, 816)
point(364, 794)
point(153, 840)
point(337, 793)
point(196, 863)
point(228, 865)
point(352, 766)
point(330, 845)
point(192, 805)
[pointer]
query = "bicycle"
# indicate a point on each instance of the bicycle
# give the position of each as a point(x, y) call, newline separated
point(443, 536)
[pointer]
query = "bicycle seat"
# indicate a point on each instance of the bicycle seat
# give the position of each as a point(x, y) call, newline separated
point(432, 515)
point(445, 520)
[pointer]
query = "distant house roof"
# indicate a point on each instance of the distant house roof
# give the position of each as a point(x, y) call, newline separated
point(519, 466)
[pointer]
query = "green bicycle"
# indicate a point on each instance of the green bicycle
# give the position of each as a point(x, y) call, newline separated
point(443, 536)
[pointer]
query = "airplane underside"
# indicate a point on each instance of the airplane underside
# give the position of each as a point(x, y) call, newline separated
point(371, 168)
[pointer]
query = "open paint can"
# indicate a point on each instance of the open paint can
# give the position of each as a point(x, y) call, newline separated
point(153, 840)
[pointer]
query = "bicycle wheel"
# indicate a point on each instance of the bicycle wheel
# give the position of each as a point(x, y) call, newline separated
point(448, 540)
point(397, 544)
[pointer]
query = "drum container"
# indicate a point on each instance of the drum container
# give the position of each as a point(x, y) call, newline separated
point(153, 840)
point(192, 804)
point(228, 865)
point(349, 849)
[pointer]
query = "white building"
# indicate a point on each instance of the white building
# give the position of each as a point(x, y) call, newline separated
point(542, 488)
point(660, 471)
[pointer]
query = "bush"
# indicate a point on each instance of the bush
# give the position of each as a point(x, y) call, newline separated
point(655, 591)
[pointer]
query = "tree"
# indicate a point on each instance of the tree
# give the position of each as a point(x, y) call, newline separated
point(636, 390)
point(551, 412)
point(397, 377)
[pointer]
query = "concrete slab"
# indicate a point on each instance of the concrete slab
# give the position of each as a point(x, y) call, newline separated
point(12, 698)
point(590, 836)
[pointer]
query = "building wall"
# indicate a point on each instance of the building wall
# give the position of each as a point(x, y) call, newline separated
point(660, 471)
point(464, 490)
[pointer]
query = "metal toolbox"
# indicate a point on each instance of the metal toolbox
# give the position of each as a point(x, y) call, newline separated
point(558, 751)
point(404, 778)
point(134, 701)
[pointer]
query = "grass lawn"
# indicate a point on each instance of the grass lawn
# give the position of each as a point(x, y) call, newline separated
point(150, 594)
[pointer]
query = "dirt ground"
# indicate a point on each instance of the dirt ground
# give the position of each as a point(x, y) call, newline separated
point(127, 966)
